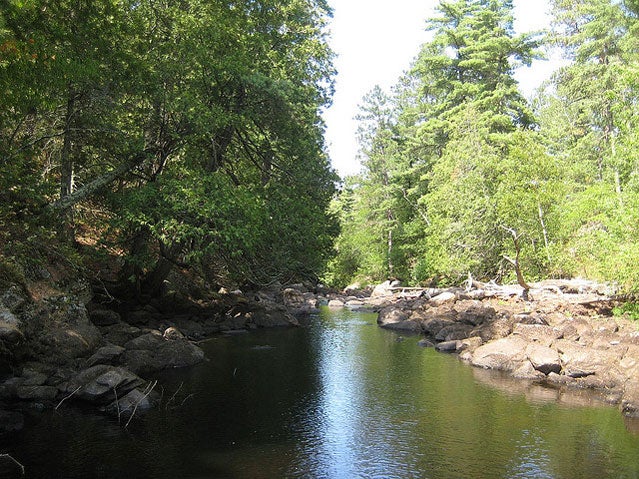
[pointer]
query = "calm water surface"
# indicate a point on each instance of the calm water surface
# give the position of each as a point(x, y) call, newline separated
point(340, 398)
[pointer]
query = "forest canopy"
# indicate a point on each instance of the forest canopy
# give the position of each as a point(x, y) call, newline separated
point(457, 163)
point(167, 134)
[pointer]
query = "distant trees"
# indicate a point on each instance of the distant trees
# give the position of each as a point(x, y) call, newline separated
point(472, 160)
point(184, 133)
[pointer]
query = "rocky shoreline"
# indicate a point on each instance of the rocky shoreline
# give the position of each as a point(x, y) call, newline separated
point(72, 343)
point(563, 336)
point(75, 344)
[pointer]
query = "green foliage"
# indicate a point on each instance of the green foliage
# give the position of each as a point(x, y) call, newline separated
point(208, 113)
point(455, 160)
point(631, 310)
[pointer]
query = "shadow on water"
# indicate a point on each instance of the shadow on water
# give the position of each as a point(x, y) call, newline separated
point(338, 398)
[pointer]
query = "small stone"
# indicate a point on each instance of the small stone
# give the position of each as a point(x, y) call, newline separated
point(447, 346)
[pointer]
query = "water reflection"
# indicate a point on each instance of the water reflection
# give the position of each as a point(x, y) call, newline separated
point(338, 399)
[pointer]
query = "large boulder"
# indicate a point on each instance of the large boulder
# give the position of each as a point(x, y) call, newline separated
point(109, 354)
point(443, 298)
point(392, 315)
point(384, 289)
point(101, 384)
point(60, 331)
point(505, 354)
point(475, 313)
point(153, 352)
point(104, 317)
point(544, 359)
point(581, 361)
point(542, 334)
point(134, 401)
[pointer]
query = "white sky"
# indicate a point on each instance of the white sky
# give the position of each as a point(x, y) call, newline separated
point(376, 40)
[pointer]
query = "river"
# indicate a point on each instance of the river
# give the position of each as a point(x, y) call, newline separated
point(339, 398)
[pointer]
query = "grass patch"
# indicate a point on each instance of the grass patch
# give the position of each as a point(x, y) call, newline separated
point(630, 310)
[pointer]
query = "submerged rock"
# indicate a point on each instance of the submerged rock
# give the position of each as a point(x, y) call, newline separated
point(102, 383)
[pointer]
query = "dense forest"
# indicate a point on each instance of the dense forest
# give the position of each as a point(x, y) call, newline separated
point(161, 133)
point(463, 175)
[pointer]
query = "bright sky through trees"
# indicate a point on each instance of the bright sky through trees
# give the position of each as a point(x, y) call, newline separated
point(375, 41)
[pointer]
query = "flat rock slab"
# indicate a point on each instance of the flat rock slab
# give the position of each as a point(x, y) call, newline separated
point(505, 354)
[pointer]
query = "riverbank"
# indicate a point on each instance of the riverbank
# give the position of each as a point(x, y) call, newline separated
point(64, 339)
point(564, 335)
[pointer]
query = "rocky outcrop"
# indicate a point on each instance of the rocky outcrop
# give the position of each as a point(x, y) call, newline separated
point(564, 335)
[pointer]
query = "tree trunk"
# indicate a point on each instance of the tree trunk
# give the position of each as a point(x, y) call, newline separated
point(67, 171)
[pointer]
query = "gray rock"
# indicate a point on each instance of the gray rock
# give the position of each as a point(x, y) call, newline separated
point(135, 400)
point(177, 354)
point(335, 304)
point(8, 318)
point(34, 378)
point(384, 289)
point(469, 344)
point(544, 359)
point(391, 315)
point(581, 361)
point(505, 354)
point(150, 341)
point(442, 298)
point(476, 314)
point(99, 384)
point(37, 393)
point(14, 297)
point(167, 354)
point(542, 334)
point(109, 354)
point(104, 317)
point(447, 346)
point(630, 399)
point(432, 326)
point(527, 371)
point(425, 343)
point(270, 315)
point(121, 333)
point(454, 332)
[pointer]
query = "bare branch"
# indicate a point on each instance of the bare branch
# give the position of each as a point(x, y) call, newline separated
point(67, 397)
point(11, 458)
point(145, 393)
